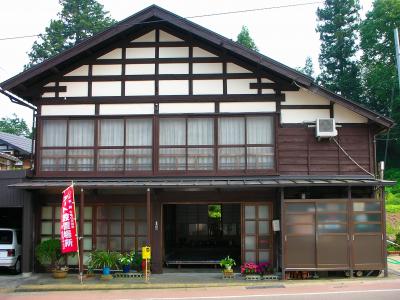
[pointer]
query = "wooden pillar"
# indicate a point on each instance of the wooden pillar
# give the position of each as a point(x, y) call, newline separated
point(283, 245)
point(81, 227)
point(149, 227)
point(27, 233)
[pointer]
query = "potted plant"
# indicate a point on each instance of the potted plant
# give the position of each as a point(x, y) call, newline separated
point(251, 271)
point(136, 261)
point(227, 263)
point(48, 253)
point(125, 260)
point(105, 260)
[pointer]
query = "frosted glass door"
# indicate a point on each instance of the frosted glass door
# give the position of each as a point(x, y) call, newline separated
point(257, 236)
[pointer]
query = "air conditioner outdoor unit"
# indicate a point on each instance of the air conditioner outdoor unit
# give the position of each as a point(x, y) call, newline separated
point(325, 128)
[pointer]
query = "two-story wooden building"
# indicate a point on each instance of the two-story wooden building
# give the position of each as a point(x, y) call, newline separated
point(180, 137)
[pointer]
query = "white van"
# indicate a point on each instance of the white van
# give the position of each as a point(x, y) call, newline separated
point(10, 249)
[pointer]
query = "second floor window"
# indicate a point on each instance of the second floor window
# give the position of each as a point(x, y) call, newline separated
point(189, 144)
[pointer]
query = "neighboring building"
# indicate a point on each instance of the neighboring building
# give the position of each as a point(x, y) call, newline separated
point(17, 150)
point(9, 162)
point(162, 124)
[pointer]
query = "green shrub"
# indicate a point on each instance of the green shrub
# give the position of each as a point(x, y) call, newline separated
point(48, 253)
point(390, 208)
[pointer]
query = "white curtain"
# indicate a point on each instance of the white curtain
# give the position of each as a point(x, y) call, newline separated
point(139, 132)
point(172, 133)
point(260, 130)
point(200, 131)
point(54, 133)
point(81, 134)
point(231, 158)
point(231, 131)
point(111, 134)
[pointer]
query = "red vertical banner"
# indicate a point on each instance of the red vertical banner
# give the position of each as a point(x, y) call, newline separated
point(69, 238)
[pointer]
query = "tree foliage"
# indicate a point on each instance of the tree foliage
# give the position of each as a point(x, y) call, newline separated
point(245, 39)
point(338, 22)
point(78, 19)
point(15, 125)
point(380, 81)
point(308, 68)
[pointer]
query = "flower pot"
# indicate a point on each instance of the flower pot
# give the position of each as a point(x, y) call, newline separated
point(126, 268)
point(59, 274)
point(228, 268)
point(106, 271)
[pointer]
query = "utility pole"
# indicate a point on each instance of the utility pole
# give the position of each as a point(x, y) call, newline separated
point(396, 43)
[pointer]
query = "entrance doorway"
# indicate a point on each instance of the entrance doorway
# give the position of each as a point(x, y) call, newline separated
point(201, 234)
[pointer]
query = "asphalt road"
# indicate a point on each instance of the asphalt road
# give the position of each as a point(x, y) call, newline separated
point(365, 290)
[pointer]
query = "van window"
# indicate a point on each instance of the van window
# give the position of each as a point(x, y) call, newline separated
point(6, 237)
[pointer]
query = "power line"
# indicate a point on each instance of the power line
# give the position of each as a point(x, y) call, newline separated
point(18, 37)
point(197, 16)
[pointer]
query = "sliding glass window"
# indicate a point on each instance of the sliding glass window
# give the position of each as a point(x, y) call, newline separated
point(186, 144)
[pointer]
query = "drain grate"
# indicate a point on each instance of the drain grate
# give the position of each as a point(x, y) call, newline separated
point(256, 287)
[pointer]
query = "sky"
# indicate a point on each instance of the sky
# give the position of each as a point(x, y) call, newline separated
point(286, 34)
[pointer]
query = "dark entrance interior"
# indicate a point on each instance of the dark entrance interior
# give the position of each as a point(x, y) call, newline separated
point(11, 217)
point(201, 234)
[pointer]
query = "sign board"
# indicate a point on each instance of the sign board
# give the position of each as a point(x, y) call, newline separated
point(146, 252)
point(275, 225)
point(68, 236)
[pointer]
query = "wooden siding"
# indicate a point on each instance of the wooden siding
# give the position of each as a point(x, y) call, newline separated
point(300, 153)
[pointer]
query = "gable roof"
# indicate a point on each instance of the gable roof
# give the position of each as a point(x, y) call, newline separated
point(153, 14)
point(20, 143)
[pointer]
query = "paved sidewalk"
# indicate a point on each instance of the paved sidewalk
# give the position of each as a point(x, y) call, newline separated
point(44, 282)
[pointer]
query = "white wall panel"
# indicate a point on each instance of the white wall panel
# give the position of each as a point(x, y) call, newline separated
point(303, 115)
point(207, 68)
point(173, 87)
point(166, 37)
point(344, 115)
point(171, 52)
point(178, 68)
point(74, 89)
point(99, 70)
point(68, 110)
point(140, 69)
point(141, 52)
point(240, 86)
point(48, 95)
point(106, 88)
point(114, 54)
point(81, 71)
point(148, 37)
point(200, 52)
point(238, 107)
point(234, 68)
point(304, 97)
point(170, 108)
point(127, 109)
point(208, 87)
point(139, 88)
